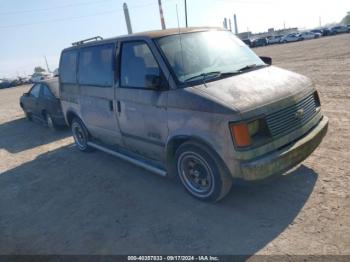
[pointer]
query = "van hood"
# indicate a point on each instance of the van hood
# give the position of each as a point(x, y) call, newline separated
point(255, 89)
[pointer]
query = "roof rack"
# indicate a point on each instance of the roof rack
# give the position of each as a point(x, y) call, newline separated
point(96, 38)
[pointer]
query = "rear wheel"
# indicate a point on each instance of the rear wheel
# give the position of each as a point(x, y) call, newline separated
point(80, 135)
point(50, 123)
point(28, 116)
point(202, 172)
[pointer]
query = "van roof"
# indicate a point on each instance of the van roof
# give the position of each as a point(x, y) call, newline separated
point(175, 31)
point(154, 34)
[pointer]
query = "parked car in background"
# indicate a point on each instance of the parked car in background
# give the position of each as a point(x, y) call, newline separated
point(326, 31)
point(23, 80)
point(308, 35)
point(247, 41)
point(348, 26)
point(208, 110)
point(259, 42)
point(15, 81)
point(339, 29)
point(42, 103)
point(317, 31)
point(39, 76)
point(290, 38)
point(274, 39)
point(5, 83)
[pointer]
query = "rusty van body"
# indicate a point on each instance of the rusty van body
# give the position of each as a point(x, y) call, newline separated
point(196, 103)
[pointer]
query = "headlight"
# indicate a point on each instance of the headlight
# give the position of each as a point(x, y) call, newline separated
point(244, 134)
point(253, 127)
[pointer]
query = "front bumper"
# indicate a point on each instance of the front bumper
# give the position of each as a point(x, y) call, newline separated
point(286, 157)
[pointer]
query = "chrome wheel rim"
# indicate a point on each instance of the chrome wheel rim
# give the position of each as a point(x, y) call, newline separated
point(196, 174)
point(79, 136)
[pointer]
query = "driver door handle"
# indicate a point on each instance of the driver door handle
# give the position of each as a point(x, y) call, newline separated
point(119, 106)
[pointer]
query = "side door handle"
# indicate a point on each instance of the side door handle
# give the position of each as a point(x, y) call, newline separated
point(111, 105)
point(118, 106)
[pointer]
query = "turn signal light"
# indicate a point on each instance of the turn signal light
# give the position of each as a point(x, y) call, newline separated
point(240, 134)
point(317, 99)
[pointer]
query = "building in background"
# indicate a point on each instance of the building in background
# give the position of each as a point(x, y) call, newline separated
point(270, 32)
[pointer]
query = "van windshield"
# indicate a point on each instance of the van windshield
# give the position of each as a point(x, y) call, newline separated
point(200, 53)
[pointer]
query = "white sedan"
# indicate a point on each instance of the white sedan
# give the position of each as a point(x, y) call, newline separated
point(274, 39)
point(290, 38)
point(307, 35)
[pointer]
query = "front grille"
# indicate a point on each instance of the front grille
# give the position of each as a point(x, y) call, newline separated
point(291, 117)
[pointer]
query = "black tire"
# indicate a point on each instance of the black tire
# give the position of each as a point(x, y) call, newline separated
point(202, 172)
point(49, 122)
point(28, 115)
point(81, 135)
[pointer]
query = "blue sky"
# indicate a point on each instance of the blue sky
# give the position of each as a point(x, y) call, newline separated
point(31, 29)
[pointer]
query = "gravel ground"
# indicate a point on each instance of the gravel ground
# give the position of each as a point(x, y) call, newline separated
point(56, 200)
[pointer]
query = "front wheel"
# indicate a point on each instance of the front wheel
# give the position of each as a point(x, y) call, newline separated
point(202, 172)
point(80, 135)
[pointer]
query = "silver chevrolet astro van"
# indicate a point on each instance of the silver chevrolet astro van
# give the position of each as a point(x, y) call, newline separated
point(195, 103)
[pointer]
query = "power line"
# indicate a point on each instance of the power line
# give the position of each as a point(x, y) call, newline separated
point(74, 17)
point(58, 20)
point(52, 8)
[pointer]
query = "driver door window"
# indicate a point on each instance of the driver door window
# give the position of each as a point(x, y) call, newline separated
point(137, 61)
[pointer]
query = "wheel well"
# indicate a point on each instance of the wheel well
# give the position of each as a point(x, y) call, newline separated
point(70, 116)
point(43, 113)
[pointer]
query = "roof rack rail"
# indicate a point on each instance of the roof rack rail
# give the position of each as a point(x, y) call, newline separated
point(96, 38)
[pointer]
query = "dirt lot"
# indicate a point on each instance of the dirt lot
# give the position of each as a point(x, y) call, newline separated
point(56, 200)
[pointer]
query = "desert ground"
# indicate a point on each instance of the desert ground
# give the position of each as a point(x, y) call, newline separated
point(57, 200)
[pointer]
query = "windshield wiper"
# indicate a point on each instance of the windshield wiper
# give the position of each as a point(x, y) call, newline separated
point(203, 76)
point(247, 67)
point(216, 74)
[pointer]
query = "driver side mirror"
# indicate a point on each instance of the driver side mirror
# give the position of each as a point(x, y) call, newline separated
point(266, 60)
point(26, 94)
point(153, 81)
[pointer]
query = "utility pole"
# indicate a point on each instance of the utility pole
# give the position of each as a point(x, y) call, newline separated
point(224, 23)
point(161, 14)
point(186, 13)
point(47, 65)
point(127, 18)
point(235, 23)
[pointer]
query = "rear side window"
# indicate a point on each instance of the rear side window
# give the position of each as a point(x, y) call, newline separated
point(35, 90)
point(137, 61)
point(96, 65)
point(47, 92)
point(68, 67)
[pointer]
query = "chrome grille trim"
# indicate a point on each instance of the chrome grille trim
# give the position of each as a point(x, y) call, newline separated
point(285, 120)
